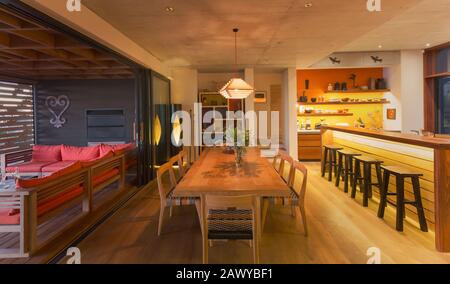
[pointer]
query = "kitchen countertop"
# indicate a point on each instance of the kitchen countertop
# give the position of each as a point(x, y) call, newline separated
point(412, 139)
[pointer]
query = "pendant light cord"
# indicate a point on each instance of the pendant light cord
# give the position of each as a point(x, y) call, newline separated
point(235, 30)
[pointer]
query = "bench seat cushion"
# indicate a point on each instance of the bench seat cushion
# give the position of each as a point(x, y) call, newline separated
point(71, 153)
point(7, 219)
point(29, 167)
point(55, 167)
point(44, 153)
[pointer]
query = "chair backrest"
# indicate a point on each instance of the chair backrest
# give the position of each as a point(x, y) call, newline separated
point(275, 161)
point(165, 188)
point(297, 166)
point(239, 202)
point(285, 158)
point(183, 162)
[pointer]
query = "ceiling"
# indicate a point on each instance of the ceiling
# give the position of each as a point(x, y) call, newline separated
point(428, 22)
point(281, 33)
point(34, 52)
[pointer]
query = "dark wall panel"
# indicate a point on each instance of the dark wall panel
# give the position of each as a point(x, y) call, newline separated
point(83, 95)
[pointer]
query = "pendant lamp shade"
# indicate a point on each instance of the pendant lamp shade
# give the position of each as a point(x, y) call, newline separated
point(236, 88)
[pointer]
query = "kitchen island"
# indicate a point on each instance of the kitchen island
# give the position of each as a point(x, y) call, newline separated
point(428, 155)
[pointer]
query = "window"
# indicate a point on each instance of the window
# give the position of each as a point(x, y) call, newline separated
point(16, 117)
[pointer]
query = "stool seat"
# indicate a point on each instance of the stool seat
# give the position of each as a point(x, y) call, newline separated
point(399, 170)
point(333, 147)
point(348, 153)
point(368, 159)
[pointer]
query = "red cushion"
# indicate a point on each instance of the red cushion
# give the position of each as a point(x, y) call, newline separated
point(99, 179)
point(59, 200)
point(57, 166)
point(71, 153)
point(42, 153)
point(30, 167)
point(7, 219)
point(116, 149)
point(30, 183)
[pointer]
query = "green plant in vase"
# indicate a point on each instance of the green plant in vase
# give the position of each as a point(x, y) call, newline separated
point(239, 140)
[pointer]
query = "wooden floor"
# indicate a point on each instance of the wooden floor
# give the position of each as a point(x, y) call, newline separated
point(341, 231)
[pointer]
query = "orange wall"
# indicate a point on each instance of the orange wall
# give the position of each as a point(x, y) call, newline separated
point(320, 78)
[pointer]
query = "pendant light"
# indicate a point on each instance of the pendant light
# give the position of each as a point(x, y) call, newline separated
point(236, 88)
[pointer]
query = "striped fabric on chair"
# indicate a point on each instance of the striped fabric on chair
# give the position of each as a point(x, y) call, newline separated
point(230, 224)
point(179, 201)
point(292, 200)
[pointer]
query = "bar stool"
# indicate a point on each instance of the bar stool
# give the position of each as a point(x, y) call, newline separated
point(345, 167)
point(329, 156)
point(366, 177)
point(401, 173)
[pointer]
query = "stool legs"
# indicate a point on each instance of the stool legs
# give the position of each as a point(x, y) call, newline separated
point(339, 170)
point(367, 185)
point(324, 162)
point(419, 206)
point(356, 177)
point(348, 172)
point(400, 202)
point(383, 194)
point(330, 165)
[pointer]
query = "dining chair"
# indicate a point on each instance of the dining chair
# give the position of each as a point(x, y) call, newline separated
point(183, 162)
point(284, 159)
point(229, 218)
point(296, 198)
point(166, 190)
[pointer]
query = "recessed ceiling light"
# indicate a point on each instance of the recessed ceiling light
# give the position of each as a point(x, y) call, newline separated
point(380, 46)
point(170, 9)
point(308, 5)
point(428, 44)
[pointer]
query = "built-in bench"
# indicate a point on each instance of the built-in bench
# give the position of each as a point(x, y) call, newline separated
point(37, 200)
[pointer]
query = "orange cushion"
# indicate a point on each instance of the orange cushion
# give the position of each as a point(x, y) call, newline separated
point(100, 178)
point(58, 166)
point(30, 183)
point(71, 153)
point(59, 200)
point(116, 149)
point(43, 153)
point(7, 219)
point(30, 167)
point(108, 155)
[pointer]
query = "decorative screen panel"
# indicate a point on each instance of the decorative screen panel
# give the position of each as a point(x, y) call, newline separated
point(16, 117)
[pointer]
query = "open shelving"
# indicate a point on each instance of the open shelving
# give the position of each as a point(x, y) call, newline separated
point(359, 91)
point(324, 114)
point(346, 103)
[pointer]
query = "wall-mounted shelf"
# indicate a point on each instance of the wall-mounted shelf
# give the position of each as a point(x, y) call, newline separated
point(359, 91)
point(346, 103)
point(324, 114)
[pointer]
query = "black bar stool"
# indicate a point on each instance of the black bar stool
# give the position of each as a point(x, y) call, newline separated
point(366, 177)
point(401, 173)
point(345, 167)
point(330, 160)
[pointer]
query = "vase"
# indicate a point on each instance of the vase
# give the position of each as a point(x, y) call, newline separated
point(238, 152)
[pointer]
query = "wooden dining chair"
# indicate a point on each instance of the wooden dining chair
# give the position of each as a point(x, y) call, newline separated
point(229, 218)
point(296, 198)
point(166, 189)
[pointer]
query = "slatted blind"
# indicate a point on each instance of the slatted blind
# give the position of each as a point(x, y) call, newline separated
point(16, 117)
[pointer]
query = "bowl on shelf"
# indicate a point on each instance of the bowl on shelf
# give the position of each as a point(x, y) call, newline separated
point(314, 100)
point(345, 100)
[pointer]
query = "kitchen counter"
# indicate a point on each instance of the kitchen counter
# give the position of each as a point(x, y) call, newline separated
point(412, 139)
point(427, 155)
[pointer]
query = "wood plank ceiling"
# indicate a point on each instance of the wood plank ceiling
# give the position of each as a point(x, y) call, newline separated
point(32, 51)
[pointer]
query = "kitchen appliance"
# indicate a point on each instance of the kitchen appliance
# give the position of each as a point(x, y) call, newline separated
point(372, 83)
point(337, 86)
point(381, 84)
point(344, 86)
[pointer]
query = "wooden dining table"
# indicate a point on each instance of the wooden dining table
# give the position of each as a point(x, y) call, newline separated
point(216, 173)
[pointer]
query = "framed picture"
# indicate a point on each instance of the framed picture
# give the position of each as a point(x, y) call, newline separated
point(260, 97)
point(392, 113)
